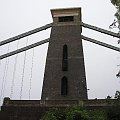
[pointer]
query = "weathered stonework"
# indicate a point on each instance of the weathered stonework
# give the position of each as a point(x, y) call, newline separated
point(62, 33)
point(35, 109)
point(65, 33)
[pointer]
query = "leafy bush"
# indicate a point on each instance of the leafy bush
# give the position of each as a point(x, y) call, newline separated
point(113, 113)
point(74, 113)
point(49, 116)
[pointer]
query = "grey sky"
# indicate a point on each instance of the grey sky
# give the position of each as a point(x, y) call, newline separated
point(18, 16)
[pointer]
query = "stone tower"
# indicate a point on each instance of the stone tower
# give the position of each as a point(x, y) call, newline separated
point(64, 77)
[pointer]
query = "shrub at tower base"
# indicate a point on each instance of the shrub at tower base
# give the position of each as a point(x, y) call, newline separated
point(74, 113)
point(78, 113)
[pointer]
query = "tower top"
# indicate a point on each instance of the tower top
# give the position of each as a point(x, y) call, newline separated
point(65, 12)
point(66, 15)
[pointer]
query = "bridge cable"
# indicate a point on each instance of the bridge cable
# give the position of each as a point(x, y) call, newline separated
point(14, 72)
point(31, 74)
point(0, 67)
point(23, 72)
point(24, 48)
point(50, 25)
point(4, 76)
point(0, 63)
point(25, 34)
point(100, 30)
point(6, 72)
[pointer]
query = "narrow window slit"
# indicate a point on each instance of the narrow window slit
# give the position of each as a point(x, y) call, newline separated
point(65, 58)
point(64, 86)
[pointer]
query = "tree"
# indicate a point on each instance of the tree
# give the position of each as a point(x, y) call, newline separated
point(117, 95)
point(116, 3)
point(113, 112)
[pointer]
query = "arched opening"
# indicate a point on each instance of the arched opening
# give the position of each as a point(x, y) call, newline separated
point(64, 86)
point(65, 58)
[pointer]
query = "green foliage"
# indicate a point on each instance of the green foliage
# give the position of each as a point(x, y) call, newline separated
point(117, 95)
point(74, 113)
point(54, 114)
point(116, 3)
point(108, 97)
point(108, 100)
point(97, 115)
point(113, 113)
point(49, 116)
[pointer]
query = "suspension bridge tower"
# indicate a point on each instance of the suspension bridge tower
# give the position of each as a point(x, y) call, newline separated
point(64, 77)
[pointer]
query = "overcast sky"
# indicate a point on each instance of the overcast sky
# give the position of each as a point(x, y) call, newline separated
point(18, 16)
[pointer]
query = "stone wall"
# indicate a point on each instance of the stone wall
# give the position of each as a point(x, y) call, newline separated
point(34, 109)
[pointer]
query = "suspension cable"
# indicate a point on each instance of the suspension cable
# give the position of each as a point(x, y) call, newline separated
point(31, 74)
point(4, 76)
point(23, 72)
point(14, 72)
point(26, 34)
point(0, 63)
point(3, 81)
point(100, 30)
point(24, 49)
